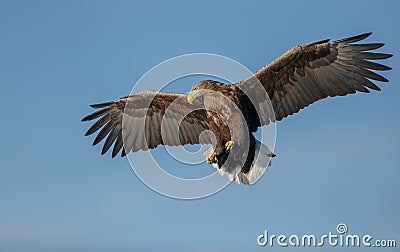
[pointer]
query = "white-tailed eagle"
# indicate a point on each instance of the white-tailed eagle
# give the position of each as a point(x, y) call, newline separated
point(301, 76)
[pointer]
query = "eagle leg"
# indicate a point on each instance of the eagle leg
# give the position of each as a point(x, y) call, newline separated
point(212, 158)
point(229, 145)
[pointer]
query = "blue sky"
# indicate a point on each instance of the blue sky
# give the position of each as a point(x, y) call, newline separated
point(337, 160)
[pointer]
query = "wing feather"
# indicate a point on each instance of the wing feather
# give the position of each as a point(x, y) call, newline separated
point(143, 115)
point(98, 124)
point(118, 145)
point(111, 138)
point(310, 72)
point(104, 131)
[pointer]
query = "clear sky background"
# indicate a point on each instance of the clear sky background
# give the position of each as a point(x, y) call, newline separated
point(337, 160)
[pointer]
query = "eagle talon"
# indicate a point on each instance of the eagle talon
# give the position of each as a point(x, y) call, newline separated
point(212, 158)
point(229, 145)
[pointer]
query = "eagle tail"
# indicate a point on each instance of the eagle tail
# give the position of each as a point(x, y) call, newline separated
point(262, 159)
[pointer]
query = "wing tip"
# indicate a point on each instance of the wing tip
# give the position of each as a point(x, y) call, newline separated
point(384, 79)
point(366, 35)
point(86, 118)
point(355, 38)
point(362, 36)
point(100, 105)
point(98, 139)
point(104, 150)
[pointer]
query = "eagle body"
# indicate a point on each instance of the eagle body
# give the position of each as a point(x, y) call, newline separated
point(226, 116)
point(230, 110)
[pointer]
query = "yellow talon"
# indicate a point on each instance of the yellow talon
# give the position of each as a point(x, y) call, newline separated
point(212, 158)
point(229, 145)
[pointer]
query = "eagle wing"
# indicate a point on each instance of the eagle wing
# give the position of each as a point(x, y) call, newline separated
point(310, 72)
point(148, 119)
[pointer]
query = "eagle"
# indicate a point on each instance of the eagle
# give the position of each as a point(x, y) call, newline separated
point(227, 115)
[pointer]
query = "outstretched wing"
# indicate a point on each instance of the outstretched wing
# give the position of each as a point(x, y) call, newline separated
point(310, 72)
point(147, 119)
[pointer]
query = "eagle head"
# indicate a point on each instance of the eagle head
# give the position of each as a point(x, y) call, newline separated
point(199, 89)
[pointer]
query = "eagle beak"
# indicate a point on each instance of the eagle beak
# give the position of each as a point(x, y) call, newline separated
point(192, 94)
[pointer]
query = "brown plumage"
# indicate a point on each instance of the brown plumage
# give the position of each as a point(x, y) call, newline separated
point(310, 72)
point(301, 76)
point(147, 135)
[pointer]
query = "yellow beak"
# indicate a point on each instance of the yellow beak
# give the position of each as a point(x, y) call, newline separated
point(192, 94)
